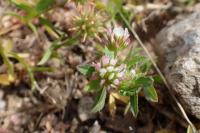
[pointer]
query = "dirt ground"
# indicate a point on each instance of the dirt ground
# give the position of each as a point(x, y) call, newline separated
point(60, 105)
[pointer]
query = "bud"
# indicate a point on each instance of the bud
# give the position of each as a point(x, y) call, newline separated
point(111, 76)
point(116, 81)
point(133, 72)
point(110, 68)
point(113, 62)
point(102, 71)
point(119, 37)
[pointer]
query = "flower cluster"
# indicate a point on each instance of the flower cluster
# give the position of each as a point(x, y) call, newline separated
point(110, 72)
point(123, 78)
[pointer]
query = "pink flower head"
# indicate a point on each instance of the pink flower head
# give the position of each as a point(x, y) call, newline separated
point(105, 60)
point(97, 65)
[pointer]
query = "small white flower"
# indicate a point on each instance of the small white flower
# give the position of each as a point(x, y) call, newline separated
point(133, 72)
point(113, 86)
point(118, 32)
point(121, 67)
point(110, 68)
point(113, 62)
point(116, 81)
point(120, 75)
point(102, 71)
point(111, 76)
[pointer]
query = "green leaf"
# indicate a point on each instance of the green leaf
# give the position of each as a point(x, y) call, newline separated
point(86, 70)
point(33, 28)
point(192, 129)
point(21, 18)
point(113, 6)
point(94, 84)
point(128, 91)
point(158, 79)
point(110, 54)
point(145, 65)
point(144, 81)
point(100, 101)
point(134, 104)
point(46, 56)
point(49, 27)
point(150, 94)
point(43, 5)
point(42, 69)
point(28, 69)
point(31, 12)
point(6, 60)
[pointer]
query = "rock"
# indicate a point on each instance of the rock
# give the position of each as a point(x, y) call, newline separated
point(96, 128)
point(178, 47)
point(84, 108)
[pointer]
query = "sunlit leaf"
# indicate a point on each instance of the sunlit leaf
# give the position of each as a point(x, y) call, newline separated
point(5, 56)
point(113, 6)
point(109, 53)
point(119, 97)
point(191, 129)
point(144, 81)
point(4, 79)
point(27, 68)
point(150, 94)
point(31, 12)
point(112, 104)
point(165, 131)
point(46, 56)
point(100, 101)
point(33, 28)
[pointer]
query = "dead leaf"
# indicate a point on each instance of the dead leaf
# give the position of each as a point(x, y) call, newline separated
point(165, 131)
point(5, 79)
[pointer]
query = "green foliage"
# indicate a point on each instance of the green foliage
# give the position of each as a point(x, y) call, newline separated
point(32, 11)
point(7, 54)
point(86, 70)
point(92, 85)
point(100, 100)
point(109, 53)
point(132, 73)
point(113, 6)
point(134, 104)
point(43, 5)
point(54, 46)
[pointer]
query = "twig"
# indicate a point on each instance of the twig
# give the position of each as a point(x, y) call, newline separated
point(158, 70)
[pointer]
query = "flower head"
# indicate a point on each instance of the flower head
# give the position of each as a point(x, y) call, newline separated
point(88, 22)
point(119, 37)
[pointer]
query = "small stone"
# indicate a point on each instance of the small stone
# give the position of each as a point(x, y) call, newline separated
point(2, 105)
point(84, 108)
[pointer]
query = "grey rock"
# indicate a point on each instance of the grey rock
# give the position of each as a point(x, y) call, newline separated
point(178, 47)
